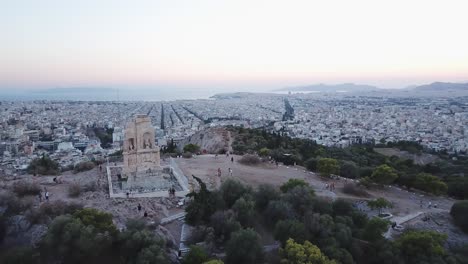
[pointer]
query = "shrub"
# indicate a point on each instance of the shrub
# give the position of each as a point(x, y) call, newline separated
point(231, 190)
point(292, 183)
point(353, 189)
point(430, 183)
point(84, 166)
point(311, 164)
point(74, 190)
point(348, 169)
point(264, 194)
point(244, 247)
point(23, 188)
point(196, 255)
point(193, 148)
point(44, 166)
point(187, 155)
point(327, 167)
point(384, 174)
point(249, 159)
point(48, 211)
point(459, 212)
point(13, 204)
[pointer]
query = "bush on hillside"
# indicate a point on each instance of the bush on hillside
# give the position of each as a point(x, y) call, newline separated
point(23, 188)
point(84, 166)
point(353, 189)
point(44, 166)
point(249, 159)
point(459, 212)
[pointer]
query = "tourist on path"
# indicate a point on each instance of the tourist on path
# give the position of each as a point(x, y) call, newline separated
point(232, 159)
point(139, 207)
point(47, 196)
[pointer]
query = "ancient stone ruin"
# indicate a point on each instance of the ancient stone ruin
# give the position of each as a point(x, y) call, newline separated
point(141, 174)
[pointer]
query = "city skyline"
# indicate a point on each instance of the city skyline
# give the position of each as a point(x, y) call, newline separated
point(240, 45)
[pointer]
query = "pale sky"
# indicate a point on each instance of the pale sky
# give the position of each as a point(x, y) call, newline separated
point(258, 44)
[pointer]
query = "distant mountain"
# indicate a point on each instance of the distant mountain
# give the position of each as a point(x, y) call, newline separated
point(345, 87)
point(442, 86)
point(72, 90)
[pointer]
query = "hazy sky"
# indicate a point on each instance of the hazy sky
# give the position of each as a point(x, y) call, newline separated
point(226, 44)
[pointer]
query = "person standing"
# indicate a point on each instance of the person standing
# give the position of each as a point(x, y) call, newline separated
point(139, 207)
point(230, 172)
point(47, 196)
point(232, 159)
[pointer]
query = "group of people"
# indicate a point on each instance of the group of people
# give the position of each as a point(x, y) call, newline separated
point(330, 187)
point(139, 207)
point(46, 195)
point(219, 172)
point(171, 192)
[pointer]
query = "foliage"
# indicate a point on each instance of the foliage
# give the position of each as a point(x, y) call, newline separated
point(23, 188)
point(353, 189)
point(286, 229)
point(458, 187)
point(379, 204)
point(328, 166)
point(44, 166)
point(430, 183)
point(384, 174)
point(204, 203)
point(311, 164)
point(231, 190)
point(263, 152)
point(104, 135)
point(459, 212)
point(21, 255)
point(421, 246)
point(48, 211)
point(192, 148)
point(291, 184)
point(3, 228)
point(74, 190)
point(264, 194)
point(84, 166)
point(196, 255)
point(249, 159)
point(244, 247)
point(224, 224)
point(245, 211)
point(100, 220)
point(278, 210)
point(214, 261)
point(71, 241)
point(342, 207)
point(307, 253)
point(348, 169)
point(374, 229)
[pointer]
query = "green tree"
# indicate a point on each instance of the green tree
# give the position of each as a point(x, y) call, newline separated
point(224, 224)
point(307, 253)
point(422, 246)
point(287, 229)
point(430, 183)
point(264, 194)
point(137, 246)
point(214, 261)
point(196, 255)
point(374, 229)
point(68, 240)
point(278, 210)
point(244, 247)
point(263, 152)
point(328, 166)
point(342, 207)
point(311, 164)
point(192, 148)
point(44, 166)
point(291, 184)
point(231, 190)
point(348, 169)
point(245, 211)
point(379, 203)
point(102, 221)
point(384, 174)
point(203, 204)
point(459, 212)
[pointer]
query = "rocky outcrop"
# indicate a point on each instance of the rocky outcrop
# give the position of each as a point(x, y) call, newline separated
point(211, 140)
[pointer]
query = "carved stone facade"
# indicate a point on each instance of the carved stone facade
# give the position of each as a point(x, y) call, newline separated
point(140, 152)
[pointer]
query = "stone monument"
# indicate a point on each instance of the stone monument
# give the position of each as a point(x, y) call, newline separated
point(140, 153)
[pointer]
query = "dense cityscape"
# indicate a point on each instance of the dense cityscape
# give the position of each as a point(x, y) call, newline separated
point(69, 130)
